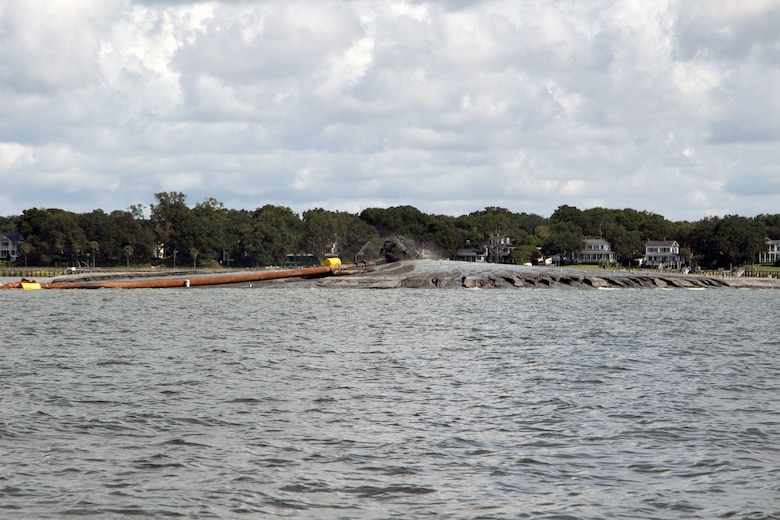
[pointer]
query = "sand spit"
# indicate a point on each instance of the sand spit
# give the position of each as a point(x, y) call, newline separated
point(449, 274)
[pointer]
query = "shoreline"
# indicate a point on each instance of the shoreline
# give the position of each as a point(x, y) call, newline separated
point(447, 274)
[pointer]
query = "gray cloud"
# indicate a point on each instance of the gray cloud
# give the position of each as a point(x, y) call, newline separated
point(447, 106)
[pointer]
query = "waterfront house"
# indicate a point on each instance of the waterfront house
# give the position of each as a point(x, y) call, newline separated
point(772, 253)
point(595, 251)
point(9, 246)
point(499, 249)
point(469, 254)
point(663, 254)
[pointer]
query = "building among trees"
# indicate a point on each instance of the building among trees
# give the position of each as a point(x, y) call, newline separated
point(470, 254)
point(10, 246)
point(772, 253)
point(663, 254)
point(595, 251)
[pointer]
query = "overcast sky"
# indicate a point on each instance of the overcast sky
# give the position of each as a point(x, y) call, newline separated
point(450, 105)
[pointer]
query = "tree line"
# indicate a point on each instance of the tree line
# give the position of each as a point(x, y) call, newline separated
point(209, 234)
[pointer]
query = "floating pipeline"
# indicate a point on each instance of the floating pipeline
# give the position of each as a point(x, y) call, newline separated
point(25, 285)
point(334, 267)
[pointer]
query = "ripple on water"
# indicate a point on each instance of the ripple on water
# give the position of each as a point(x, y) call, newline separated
point(304, 403)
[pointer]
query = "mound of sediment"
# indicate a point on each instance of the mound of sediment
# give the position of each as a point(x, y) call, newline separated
point(449, 274)
point(397, 249)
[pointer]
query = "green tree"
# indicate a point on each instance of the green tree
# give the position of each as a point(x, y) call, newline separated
point(134, 231)
point(397, 220)
point(336, 232)
point(443, 236)
point(323, 231)
point(529, 222)
point(704, 248)
point(772, 224)
point(7, 225)
point(596, 221)
point(101, 228)
point(136, 211)
point(569, 214)
point(54, 234)
point(494, 221)
point(525, 254)
point(239, 250)
point(627, 245)
point(172, 222)
point(210, 229)
point(564, 239)
point(740, 239)
point(726, 242)
point(357, 234)
point(656, 227)
point(541, 232)
point(273, 233)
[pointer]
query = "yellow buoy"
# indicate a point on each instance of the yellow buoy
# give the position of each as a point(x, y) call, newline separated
point(29, 286)
point(332, 262)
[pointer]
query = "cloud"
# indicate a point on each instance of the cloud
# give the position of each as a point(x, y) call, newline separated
point(448, 106)
point(40, 50)
point(757, 180)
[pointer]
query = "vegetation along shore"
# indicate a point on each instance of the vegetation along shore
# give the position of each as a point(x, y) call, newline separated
point(170, 232)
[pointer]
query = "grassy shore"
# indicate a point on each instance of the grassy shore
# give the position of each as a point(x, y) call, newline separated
point(31, 272)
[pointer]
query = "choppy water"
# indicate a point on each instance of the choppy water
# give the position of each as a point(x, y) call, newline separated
point(324, 403)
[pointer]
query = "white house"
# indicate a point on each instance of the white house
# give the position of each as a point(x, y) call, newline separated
point(596, 250)
point(9, 246)
point(772, 253)
point(663, 254)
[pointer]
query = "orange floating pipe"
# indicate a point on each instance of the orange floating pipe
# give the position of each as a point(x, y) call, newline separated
point(163, 283)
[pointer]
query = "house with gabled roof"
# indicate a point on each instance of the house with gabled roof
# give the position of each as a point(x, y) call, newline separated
point(499, 249)
point(772, 253)
point(595, 251)
point(663, 254)
point(469, 254)
point(9, 246)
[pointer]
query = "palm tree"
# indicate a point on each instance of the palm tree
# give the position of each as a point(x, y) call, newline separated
point(128, 252)
point(26, 248)
point(95, 247)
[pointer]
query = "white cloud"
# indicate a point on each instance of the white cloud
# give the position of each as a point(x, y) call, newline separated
point(181, 181)
point(344, 71)
point(14, 155)
point(450, 106)
point(51, 45)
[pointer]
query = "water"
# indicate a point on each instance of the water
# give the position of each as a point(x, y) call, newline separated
point(298, 402)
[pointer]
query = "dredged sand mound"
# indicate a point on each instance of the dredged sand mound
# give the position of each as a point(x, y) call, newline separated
point(450, 274)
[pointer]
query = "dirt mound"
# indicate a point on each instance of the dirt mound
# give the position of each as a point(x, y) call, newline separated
point(396, 249)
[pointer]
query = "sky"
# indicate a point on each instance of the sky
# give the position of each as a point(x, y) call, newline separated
point(450, 106)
